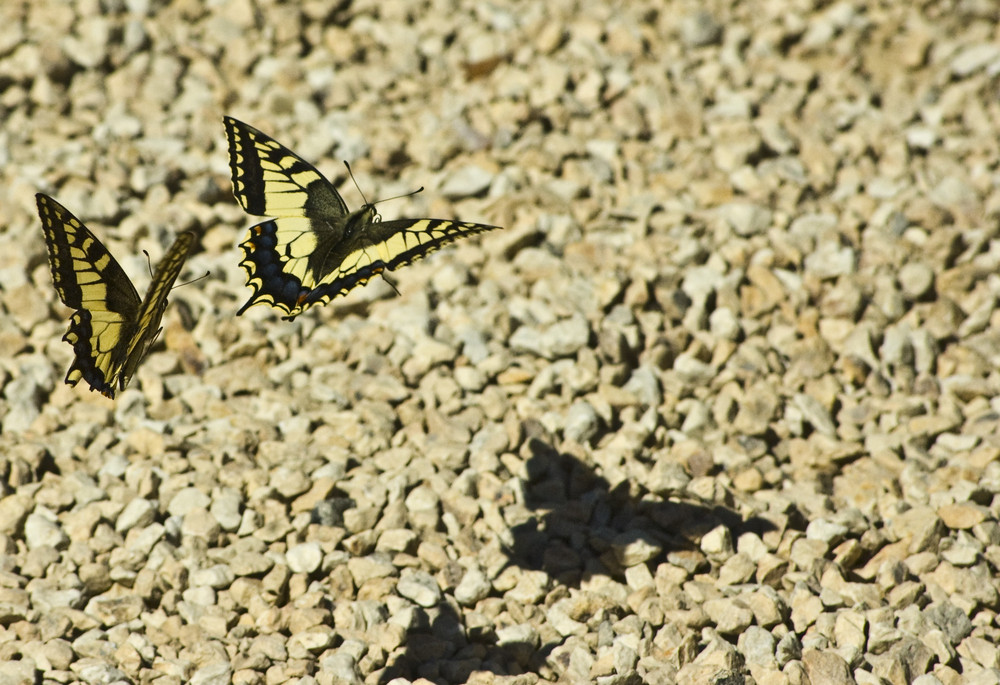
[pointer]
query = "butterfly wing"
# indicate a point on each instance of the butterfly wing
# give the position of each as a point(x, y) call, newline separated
point(89, 280)
point(271, 180)
point(383, 246)
point(292, 270)
point(148, 319)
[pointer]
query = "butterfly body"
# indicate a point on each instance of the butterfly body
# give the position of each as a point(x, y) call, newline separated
point(112, 328)
point(314, 248)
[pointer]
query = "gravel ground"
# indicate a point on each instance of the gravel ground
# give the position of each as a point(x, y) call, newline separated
point(718, 405)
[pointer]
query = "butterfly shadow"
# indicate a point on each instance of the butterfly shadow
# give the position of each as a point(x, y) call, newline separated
point(443, 650)
point(578, 528)
point(582, 526)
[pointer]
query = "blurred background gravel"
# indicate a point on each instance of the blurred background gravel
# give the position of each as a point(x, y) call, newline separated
point(718, 405)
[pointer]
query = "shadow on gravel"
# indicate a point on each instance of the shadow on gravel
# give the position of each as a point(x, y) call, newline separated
point(580, 527)
point(584, 527)
point(445, 651)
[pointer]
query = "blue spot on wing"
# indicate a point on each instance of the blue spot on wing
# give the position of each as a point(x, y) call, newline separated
point(264, 270)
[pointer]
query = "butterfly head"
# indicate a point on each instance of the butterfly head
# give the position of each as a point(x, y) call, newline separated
point(359, 218)
point(368, 214)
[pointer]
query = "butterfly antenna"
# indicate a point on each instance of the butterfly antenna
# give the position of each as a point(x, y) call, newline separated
point(149, 264)
point(194, 280)
point(384, 199)
point(396, 197)
point(355, 181)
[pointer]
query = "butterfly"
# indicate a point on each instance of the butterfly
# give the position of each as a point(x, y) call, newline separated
point(111, 329)
point(315, 249)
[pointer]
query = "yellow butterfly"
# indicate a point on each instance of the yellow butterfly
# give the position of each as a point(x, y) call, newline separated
point(111, 329)
point(315, 249)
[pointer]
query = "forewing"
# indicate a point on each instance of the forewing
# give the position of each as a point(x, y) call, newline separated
point(271, 180)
